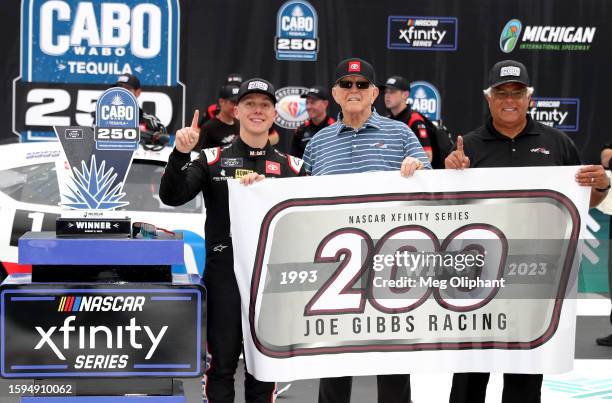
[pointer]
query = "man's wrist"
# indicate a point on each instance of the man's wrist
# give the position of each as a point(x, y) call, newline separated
point(604, 189)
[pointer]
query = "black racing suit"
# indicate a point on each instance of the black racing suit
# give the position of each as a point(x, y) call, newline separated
point(181, 182)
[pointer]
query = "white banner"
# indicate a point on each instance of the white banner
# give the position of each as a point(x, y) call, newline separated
point(367, 274)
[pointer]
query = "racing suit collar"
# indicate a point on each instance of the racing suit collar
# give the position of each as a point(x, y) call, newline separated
point(251, 152)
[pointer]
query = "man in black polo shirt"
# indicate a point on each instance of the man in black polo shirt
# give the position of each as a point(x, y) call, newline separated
point(397, 91)
point(317, 101)
point(510, 138)
point(223, 128)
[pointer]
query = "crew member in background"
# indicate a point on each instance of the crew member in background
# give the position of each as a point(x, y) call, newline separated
point(213, 109)
point(397, 91)
point(224, 127)
point(508, 139)
point(148, 122)
point(248, 158)
point(317, 101)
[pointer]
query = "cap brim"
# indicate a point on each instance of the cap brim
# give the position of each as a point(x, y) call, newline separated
point(272, 98)
point(510, 80)
point(352, 74)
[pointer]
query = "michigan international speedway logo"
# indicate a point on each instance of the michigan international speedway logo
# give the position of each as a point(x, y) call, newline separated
point(71, 51)
point(510, 36)
point(545, 37)
point(296, 32)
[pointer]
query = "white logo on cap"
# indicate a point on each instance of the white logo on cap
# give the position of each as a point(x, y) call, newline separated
point(510, 71)
point(258, 85)
point(315, 90)
point(235, 90)
point(123, 79)
point(391, 81)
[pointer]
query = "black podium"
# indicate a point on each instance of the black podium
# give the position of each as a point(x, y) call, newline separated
point(102, 317)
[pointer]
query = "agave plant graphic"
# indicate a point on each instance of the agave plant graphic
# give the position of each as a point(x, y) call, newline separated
point(91, 188)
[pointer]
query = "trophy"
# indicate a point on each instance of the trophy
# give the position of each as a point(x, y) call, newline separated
point(97, 163)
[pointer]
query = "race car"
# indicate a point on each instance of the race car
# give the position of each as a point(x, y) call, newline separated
point(30, 201)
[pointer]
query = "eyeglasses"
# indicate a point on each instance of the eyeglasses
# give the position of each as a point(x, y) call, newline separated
point(362, 85)
point(515, 94)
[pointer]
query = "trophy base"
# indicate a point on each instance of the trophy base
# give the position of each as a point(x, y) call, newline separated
point(93, 227)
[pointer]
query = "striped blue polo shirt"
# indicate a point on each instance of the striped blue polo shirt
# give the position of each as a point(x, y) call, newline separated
point(380, 145)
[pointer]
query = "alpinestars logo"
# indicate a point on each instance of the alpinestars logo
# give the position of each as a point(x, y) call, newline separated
point(544, 37)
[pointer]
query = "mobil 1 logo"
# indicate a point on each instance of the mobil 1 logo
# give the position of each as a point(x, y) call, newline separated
point(422, 33)
point(560, 113)
point(296, 32)
point(117, 117)
point(110, 332)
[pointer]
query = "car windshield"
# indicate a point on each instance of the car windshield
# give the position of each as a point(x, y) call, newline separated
point(38, 184)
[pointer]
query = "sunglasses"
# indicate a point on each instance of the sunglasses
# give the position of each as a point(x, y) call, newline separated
point(362, 85)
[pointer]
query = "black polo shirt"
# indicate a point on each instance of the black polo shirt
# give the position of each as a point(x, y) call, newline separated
point(536, 145)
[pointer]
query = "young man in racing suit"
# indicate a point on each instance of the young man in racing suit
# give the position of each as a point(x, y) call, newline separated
point(249, 158)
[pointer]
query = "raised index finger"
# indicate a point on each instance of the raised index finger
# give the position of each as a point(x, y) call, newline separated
point(196, 118)
point(460, 144)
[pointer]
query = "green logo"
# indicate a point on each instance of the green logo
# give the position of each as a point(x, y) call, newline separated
point(510, 35)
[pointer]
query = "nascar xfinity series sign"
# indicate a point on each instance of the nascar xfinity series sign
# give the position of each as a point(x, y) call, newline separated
point(378, 274)
point(422, 33)
point(75, 332)
point(71, 51)
point(560, 113)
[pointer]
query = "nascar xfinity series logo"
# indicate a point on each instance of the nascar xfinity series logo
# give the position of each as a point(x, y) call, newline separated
point(110, 332)
point(422, 33)
point(291, 107)
point(544, 37)
point(71, 50)
point(561, 113)
point(296, 32)
point(425, 99)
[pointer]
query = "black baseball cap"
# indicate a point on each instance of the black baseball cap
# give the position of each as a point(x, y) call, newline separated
point(508, 71)
point(233, 78)
point(256, 86)
point(397, 83)
point(128, 80)
point(354, 66)
point(229, 92)
point(317, 91)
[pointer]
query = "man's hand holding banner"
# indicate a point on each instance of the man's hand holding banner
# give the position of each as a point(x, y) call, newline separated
point(368, 274)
